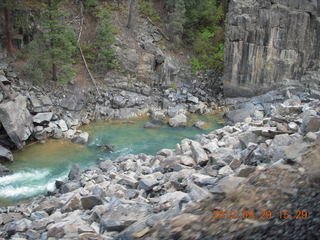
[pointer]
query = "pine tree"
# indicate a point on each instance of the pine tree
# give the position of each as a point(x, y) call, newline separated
point(176, 22)
point(52, 49)
point(103, 43)
point(4, 6)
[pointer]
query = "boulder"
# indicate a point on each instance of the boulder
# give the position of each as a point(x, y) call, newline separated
point(198, 153)
point(310, 124)
point(73, 102)
point(197, 193)
point(174, 198)
point(128, 181)
point(187, 160)
point(199, 124)
point(75, 172)
point(158, 116)
point(114, 225)
point(173, 111)
point(5, 155)
point(82, 138)
point(202, 179)
point(147, 183)
point(119, 101)
point(179, 120)
point(193, 99)
point(88, 202)
point(16, 120)
point(198, 108)
point(42, 117)
point(62, 124)
point(227, 185)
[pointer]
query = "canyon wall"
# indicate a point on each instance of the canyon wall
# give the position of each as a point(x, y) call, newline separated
point(270, 43)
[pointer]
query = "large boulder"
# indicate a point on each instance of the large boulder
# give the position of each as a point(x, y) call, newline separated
point(179, 120)
point(42, 117)
point(16, 120)
point(199, 154)
point(5, 155)
point(82, 138)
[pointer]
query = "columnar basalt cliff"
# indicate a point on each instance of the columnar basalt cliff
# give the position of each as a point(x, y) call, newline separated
point(270, 42)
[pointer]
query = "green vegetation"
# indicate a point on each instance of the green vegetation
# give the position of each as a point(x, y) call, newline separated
point(52, 50)
point(146, 9)
point(200, 25)
point(100, 53)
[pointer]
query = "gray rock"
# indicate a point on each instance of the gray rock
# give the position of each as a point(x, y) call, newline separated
point(73, 102)
point(42, 117)
point(5, 155)
point(226, 170)
point(158, 116)
point(238, 115)
point(200, 108)
point(147, 183)
point(197, 193)
point(179, 120)
point(114, 225)
point(165, 152)
point(119, 102)
point(310, 124)
point(88, 202)
point(174, 198)
point(129, 181)
point(198, 153)
point(199, 124)
point(62, 124)
point(75, 172)
point(38, 215)
point(202, 179)
point(187, 160)
point(173, 111)
point(249, 137)
point(193, 99)
point(16, 120)
point(82, 138)
point(245, 171)
point(227, 185)
point(211, 147)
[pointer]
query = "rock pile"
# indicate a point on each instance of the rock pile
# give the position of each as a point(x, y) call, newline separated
point(129, 197)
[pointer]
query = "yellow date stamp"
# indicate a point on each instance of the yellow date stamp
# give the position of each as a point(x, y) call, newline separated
point(260, 215)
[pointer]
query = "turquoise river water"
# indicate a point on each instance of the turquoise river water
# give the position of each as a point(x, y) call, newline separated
point(37, 166)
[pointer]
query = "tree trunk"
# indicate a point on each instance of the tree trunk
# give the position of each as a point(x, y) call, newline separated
point(54, 72)
point(132, 13)
point(7, 31)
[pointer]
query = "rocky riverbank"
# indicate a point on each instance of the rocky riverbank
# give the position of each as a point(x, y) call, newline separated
point(37, 113)
point(265, 159)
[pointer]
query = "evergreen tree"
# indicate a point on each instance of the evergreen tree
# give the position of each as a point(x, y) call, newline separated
point(100, 52)
point(52, 49)
point(176, 22)
point(104, 40)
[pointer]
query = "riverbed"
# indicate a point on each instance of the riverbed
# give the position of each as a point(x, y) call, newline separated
point(39, 165)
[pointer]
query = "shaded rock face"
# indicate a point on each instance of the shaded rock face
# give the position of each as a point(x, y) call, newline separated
point(268, 43)
point(16, 120)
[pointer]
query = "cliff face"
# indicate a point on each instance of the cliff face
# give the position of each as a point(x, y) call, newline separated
point(269, 42)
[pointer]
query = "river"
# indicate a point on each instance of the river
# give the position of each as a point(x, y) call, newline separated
point(38, 165)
